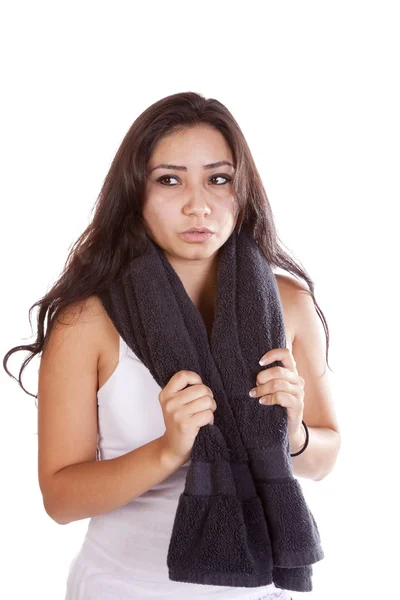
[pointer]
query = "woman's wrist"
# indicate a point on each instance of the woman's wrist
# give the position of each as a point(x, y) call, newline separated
point(297, 441)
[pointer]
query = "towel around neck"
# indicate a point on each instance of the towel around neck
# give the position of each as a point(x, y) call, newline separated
point(241, 519)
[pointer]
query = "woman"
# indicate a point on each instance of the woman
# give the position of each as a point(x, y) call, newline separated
point(111, 442)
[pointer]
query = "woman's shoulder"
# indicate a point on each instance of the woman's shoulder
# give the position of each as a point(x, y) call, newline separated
point(290, 287)
point(290, 290)
point(92, 325)
point(83, 317)
point(88, 320)
point(91, 311)
point(79, 312)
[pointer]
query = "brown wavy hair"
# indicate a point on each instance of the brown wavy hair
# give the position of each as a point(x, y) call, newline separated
point(117, 233)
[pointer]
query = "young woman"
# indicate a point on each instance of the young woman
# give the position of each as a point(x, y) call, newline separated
point(111, 442)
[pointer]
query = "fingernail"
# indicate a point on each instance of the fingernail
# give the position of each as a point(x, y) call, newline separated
point(252, 393)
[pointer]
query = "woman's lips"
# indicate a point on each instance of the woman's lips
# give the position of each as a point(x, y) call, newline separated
point(196, 237)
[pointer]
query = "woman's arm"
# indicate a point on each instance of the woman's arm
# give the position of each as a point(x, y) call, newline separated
point(319, 458)
point(308, 350)
point(91, 488)
point(74, 485)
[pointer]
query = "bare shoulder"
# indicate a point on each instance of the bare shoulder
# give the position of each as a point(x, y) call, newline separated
point(309, 352)
point(92, 333)
point(81, 313)
point(290, 288)
point(85, 320)
point(291, 293)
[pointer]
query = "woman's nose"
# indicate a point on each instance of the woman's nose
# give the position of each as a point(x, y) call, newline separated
point(197, 203)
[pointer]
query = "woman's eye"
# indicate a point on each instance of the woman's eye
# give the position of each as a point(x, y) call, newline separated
point(227, 179)
point(164, 177)
point(160, 179)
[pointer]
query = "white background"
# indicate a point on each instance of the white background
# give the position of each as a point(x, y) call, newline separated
point(315, 89)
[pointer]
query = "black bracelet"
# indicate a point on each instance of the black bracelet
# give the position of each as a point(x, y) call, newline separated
point(305, 443)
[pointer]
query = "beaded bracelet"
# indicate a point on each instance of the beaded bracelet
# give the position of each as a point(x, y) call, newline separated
point(305, 443)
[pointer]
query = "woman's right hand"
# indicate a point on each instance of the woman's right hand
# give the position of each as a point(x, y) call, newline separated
point(185, 410)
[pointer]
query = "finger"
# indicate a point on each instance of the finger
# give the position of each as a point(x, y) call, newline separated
point(195, 391)
point(199, 405)
point(277, 373)
point(181, 379)
point(274, 386)
point(282, 398)
point(282, 354)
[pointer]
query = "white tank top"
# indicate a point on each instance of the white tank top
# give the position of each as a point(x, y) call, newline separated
point(124, 552)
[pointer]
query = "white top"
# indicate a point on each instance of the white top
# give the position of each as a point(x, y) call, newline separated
point(124, 552)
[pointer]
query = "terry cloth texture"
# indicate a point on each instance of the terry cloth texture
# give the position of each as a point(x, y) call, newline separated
point(242, 519)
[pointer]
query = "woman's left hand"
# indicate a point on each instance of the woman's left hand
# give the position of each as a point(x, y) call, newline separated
point(284, 386)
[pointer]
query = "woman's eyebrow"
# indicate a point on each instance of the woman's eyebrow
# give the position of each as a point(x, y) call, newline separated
point(183, 168)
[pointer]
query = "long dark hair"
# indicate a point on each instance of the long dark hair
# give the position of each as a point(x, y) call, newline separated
point(117, 232)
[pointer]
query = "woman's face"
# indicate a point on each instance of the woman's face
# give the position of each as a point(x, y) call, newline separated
point(188, 194)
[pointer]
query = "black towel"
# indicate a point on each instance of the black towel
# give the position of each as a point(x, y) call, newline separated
point(241, 519)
